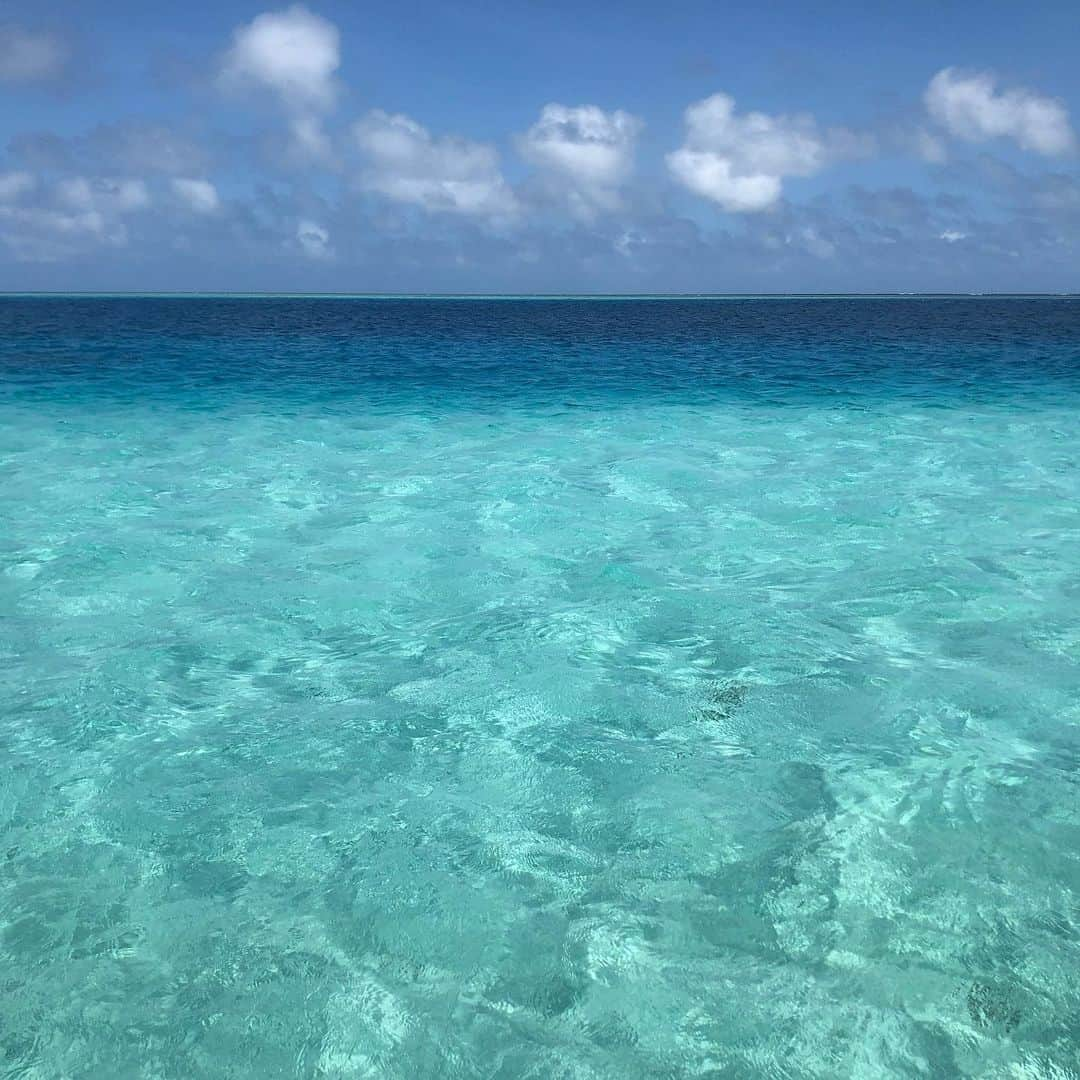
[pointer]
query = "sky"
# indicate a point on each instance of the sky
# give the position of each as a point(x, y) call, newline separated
point(475, 146)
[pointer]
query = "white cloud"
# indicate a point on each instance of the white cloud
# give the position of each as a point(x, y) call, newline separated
point(294, 54)
point(740, 161)
point(813, 242)
point(14, 184)
point(969, 106)
point(710, 174)
point(309, 138)
point(314, 240)
point(28, 56)
point(627, 243)
point(930, 147)
point(952, 236)
point(447, 173)
point(79, 193)
point(72, 216)
point(589, 150)
point(41, 234)
point(198, 195)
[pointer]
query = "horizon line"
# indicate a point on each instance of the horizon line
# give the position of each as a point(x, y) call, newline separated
point(257, 294)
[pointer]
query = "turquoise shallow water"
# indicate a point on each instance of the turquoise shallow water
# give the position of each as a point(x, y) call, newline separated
point(467, 689)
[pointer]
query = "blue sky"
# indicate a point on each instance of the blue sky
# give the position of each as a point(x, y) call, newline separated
point(503, 147)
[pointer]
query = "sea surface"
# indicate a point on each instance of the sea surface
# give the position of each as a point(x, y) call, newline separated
point(539, 688)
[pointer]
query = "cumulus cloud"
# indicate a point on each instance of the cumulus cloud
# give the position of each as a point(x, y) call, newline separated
point(588, 150)
point(44, 234)
point(70, 217)
point(314, 240)
point(80, 193)
point(930, 147)
point(407, 164)
point(811, 241)
point(294, 54)
point(199, 196)
point(741, 160)
point(29, 56)
point(969, 106)
point(15, 184)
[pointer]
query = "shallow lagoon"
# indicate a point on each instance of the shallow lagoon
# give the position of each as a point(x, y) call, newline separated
point(544, 688)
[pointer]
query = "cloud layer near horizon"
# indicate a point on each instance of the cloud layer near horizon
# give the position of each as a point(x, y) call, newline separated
point(569, 188)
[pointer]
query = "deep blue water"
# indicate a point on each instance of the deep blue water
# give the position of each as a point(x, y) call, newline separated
point(539, 688)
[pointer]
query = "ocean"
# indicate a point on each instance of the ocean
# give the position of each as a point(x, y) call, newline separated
point(530, 687)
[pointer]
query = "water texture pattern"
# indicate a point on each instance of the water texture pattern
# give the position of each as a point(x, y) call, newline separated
point(539, 688)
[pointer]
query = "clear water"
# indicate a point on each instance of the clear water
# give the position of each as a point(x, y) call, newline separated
point(539, 688)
